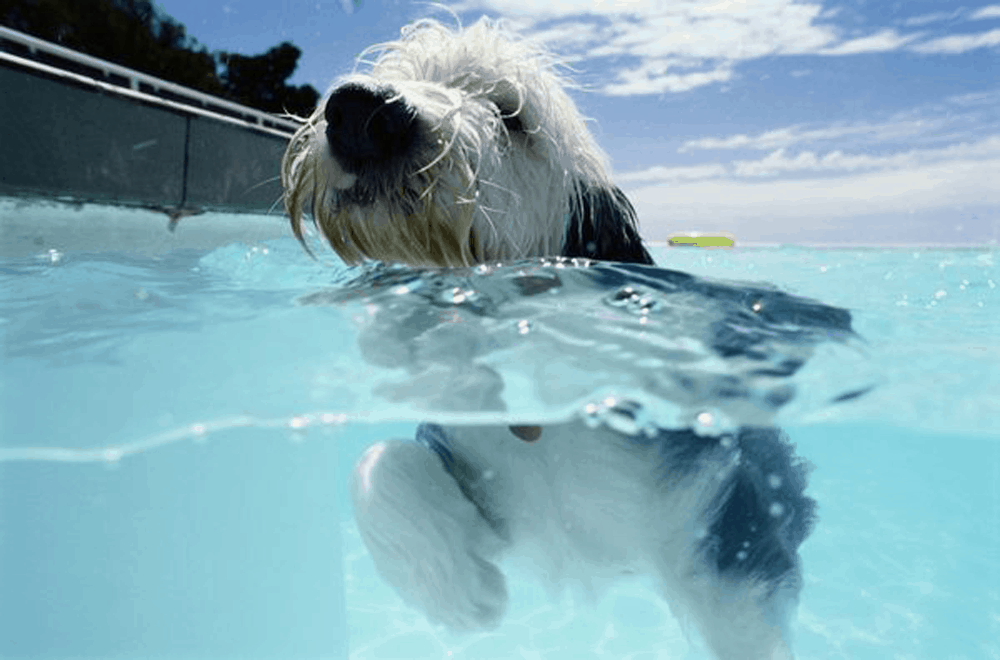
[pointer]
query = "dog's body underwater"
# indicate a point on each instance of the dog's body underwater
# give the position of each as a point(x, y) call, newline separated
point(463, 147)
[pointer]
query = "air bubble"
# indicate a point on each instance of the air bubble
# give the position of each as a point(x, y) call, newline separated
point(626, 417)
point(523, 327)
point(774, 481)
point(198, 432)
point(741, 555)
point(456, 296)
point(623, 295)
point(633, 301)
point(712, 423)
point(776, 510)
point(647, 304)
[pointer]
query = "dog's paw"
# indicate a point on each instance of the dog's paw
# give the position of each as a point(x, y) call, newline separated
point(427, 540)
point(465, 594)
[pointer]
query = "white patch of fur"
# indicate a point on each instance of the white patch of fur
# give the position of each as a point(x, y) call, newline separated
point(426, 539)
point(511, 192)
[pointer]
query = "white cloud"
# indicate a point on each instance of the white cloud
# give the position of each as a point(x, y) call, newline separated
point(959, 43)
point(988, 99)
point(788, 136)
point(836, 196)
point(990, 11)
point(925, 19)
point(670, 46)
point(918, 204)
point(880, 42)
point(779, 162)
point(653, 78)
point(699, 30)
point(661, 174)
point(677, 46)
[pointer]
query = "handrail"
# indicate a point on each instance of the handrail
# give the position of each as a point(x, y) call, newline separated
point(137, 80)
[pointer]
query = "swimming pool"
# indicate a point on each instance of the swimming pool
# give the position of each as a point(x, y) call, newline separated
point(179, 426)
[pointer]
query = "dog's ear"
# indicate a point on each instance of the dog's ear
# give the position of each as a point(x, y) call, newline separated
point(602, 225)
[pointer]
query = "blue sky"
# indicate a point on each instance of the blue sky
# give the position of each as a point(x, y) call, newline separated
point(779, 121)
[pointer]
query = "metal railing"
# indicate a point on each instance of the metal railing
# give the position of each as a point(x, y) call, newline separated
point(31, 52)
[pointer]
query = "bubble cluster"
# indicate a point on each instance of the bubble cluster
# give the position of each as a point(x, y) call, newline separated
point(621, 415)
point(634, 301)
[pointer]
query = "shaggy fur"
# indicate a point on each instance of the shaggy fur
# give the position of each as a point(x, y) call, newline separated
point(463, 147)
point(458, 148)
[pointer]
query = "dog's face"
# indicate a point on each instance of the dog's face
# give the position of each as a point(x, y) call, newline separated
point(457, 148)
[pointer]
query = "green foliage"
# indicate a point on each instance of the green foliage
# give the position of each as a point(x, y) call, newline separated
point(260, 80)
point(135, 34)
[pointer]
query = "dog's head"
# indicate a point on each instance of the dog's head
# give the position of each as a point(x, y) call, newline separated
point(457, 148)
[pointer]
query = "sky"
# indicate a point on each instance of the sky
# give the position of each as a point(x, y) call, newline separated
point(779, 121)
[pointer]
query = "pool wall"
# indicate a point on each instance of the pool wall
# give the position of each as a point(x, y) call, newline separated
point(82, 129)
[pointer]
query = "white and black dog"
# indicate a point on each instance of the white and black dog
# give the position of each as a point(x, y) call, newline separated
point(462, 147)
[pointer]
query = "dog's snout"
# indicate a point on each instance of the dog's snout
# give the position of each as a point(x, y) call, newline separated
point(367, 126)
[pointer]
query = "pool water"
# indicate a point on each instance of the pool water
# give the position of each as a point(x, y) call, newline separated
point(178, 430)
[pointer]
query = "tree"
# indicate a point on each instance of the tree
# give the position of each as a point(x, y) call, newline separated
point(135, 34)
point(260, 80)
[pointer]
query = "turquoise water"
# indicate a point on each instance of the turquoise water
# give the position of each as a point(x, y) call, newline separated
point(178, 430)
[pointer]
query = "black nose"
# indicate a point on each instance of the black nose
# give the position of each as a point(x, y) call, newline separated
point(366, 126)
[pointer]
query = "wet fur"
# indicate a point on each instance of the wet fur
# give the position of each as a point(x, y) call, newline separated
point(485, 158)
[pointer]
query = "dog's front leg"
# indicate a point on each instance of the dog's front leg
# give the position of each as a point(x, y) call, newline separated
point(427, 539)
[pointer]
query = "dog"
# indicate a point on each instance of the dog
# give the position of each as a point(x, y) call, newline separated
point(461, 147)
